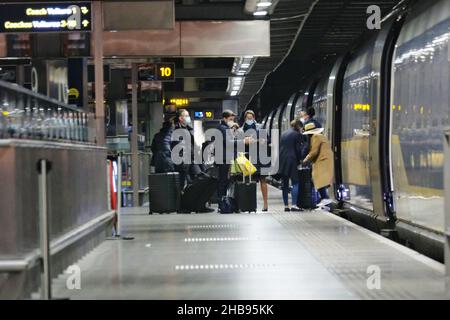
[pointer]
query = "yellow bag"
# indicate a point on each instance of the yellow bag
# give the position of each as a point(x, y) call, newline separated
point(245, 166)
point(235, 170)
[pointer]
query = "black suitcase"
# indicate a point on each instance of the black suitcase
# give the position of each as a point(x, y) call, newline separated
point(307, 196)
point(213, 172)
point(245, 195)
point(196, 195)
point(164, 190)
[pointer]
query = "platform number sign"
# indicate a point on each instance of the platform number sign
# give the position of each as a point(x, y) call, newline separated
point(157, 72)
point(165, 72)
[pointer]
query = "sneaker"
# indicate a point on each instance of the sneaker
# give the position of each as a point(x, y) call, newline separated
point(325, 202)
point(296, 209)
point(287, 209)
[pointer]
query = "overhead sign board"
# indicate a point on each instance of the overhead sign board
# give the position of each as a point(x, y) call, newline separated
point(45, 17)
point(180, 102)
point(157, 72)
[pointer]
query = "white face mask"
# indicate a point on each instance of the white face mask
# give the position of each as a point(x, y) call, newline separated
point(249, 122)
point(187, 121)
point(302, 120)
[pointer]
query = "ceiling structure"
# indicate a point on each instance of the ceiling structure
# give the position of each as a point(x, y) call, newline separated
point(306, 37)
point(330, 29)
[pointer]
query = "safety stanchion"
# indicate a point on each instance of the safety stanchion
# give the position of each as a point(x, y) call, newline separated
point(44, 232)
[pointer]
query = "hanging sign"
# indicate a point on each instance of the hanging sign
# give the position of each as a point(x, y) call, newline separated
point(45, 17)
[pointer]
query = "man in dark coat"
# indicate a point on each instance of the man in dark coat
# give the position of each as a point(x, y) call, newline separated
point(188, 171)
point(292, 152)
point(162, 160)
point(229, 142)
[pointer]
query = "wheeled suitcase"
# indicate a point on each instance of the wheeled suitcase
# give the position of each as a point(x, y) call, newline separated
point(245, 195)
point(164, 190)
point(307, 196)
point(196, 195)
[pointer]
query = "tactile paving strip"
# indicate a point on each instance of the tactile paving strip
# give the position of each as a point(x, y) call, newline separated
point(347, 253)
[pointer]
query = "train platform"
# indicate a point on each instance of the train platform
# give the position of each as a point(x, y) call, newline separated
point(274, 255)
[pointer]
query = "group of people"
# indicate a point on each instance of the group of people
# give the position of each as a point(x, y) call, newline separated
point(302, 144)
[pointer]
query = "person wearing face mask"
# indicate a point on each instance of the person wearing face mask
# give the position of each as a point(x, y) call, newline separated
point(190, 171)
point(251, 129)
point(230, 141)
point(308, 116)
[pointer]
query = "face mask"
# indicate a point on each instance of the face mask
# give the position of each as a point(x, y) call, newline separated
point(187, 121)
point(249, 122)
point(302, 120)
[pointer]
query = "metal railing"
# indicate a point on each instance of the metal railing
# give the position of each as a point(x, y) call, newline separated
point(25, 114)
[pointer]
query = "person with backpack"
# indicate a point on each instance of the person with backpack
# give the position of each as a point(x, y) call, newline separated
point(321, 157)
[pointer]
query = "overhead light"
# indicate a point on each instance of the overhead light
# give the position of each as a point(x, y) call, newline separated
point(245, 65)
point(233, 93)
point(264, 4)
point(236, 88)
point(260, 13)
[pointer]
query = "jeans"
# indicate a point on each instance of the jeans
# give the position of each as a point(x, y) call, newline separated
point(323, 192)
point(223, 183)
point(294, 193)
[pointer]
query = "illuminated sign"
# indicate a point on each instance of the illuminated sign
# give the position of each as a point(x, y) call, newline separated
point(45, 17)
point(180, 102)
point(209, 114)
point(199, 115)
point(157, 72)
point(363, 107)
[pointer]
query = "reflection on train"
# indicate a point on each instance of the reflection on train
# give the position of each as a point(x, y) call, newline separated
point(385, 105)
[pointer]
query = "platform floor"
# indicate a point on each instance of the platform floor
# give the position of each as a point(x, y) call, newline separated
point(275, 255)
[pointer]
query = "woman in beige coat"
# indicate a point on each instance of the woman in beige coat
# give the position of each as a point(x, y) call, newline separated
point(321, 157)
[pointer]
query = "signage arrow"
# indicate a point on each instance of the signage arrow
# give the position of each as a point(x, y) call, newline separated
point(64, 24)
point(85, 23)
point(84, 10)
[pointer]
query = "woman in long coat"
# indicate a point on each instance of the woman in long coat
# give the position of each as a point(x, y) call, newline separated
point(292, 145)
point(321, 157)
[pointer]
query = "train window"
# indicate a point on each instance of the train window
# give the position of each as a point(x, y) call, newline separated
point(320, 101)
point(298, 106)
point(264, 122)
point(276, 119)
point(357, 90)
point(286, 117)
point(420, 77)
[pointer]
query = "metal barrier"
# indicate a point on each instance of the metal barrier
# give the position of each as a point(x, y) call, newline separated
point(25, 114)
point(53, 192)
